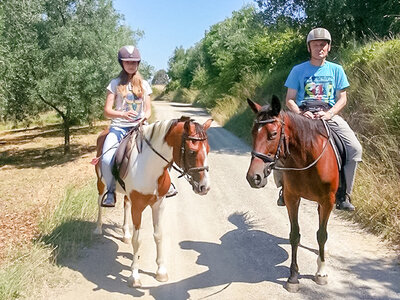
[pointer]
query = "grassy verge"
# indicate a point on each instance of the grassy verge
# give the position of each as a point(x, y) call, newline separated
point(65, 229)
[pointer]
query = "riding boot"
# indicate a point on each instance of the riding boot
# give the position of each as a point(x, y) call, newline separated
point(343, 203)
point(281, 201)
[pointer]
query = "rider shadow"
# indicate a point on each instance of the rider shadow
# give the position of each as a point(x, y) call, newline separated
point(244, 255)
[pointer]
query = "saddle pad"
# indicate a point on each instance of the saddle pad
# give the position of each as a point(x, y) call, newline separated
point(339, 147)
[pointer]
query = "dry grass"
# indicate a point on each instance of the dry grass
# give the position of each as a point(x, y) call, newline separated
point(33, 176)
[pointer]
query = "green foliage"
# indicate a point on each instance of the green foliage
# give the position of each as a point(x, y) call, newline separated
point(60, 55)
point(146, 70)
point(20, 59)
point(229, 56)
point(160, 77)
point(348, 20)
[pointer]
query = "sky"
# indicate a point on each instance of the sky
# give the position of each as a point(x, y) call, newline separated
point(168, 24)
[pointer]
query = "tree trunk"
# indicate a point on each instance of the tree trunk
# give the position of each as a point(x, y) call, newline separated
point(67, 148)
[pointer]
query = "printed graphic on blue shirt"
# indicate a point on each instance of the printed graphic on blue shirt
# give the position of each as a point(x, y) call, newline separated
point(319, 88)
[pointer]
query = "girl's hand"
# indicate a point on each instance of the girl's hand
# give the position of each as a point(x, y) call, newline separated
point(129, 115)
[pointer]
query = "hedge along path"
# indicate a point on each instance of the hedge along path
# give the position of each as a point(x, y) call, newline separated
point(34, 173)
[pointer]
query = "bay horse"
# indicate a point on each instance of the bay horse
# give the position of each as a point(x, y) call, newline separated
point(310, 171)
point(157, 147)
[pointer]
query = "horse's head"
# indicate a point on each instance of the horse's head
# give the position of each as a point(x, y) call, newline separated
point(190, 150)
point(268, 136)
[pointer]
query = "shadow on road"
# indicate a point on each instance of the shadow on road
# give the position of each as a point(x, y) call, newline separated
point(244, 255)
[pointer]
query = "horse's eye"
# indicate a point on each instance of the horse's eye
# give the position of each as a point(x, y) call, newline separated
point(192, 153)
point(273, 135)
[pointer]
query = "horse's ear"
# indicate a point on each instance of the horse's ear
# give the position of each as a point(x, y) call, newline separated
point(207, 124)
point(275, 105)
point(254, 106)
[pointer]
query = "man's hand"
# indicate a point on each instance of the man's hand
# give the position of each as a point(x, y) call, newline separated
point(309, 114)
point(324, 115)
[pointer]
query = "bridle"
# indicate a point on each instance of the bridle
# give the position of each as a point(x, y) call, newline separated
point(184, 171)
point(282, 140)
point(272, 161)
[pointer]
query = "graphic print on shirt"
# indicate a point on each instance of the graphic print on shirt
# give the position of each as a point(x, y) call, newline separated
point(132, 102)
point(319, 88)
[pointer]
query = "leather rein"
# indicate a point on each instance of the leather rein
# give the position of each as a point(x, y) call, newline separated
point(282, 140)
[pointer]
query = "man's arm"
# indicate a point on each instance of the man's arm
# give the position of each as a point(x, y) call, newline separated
point(291, 100)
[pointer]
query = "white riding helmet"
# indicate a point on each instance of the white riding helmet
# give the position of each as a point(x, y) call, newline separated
point(319, 34)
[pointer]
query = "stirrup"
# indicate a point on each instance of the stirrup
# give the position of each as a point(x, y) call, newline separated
point(105, 203)
point(172, 191)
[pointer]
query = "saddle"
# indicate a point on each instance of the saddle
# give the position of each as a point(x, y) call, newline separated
point(123, 154)
point(340, 152)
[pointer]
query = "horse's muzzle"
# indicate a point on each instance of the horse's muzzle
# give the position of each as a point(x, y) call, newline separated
point(258, 178)
point(256, 181)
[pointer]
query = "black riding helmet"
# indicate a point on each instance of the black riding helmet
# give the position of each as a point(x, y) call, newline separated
point(128, 53)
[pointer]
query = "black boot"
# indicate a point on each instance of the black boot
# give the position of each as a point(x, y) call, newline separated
point(280, 201)
point(343, 203)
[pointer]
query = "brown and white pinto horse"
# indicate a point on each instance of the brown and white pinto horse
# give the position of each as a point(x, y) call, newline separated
point(309, 170)
point(159, 145)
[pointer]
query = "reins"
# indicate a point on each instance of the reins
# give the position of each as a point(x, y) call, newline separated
point(268, 159)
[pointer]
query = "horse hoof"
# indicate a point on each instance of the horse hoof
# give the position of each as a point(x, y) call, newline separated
point(133, 282)
point(292, 287)
point(321, 280)
point(97, 231)
point(162, 277)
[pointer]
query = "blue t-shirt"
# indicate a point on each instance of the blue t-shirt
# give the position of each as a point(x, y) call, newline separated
point(317, 82)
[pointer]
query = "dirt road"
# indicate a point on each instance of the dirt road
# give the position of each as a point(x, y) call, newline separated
point(231, 243)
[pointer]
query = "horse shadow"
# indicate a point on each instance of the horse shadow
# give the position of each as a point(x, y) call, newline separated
point(244, 255)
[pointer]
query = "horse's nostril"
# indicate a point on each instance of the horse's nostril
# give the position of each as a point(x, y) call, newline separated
point(257, 179)
point(203, 189)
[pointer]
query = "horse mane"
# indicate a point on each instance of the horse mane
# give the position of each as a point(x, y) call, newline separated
point(199, 130)
point(158, 129)
point(306, 130)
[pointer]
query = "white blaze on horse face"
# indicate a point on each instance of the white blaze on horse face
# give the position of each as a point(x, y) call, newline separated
point(206, 178)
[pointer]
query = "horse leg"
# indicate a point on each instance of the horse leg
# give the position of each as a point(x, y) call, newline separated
point(101, 191)
point(134, 279)
point(321, 277)
point(127, 215)
point(292, 205)
point(158, 212)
